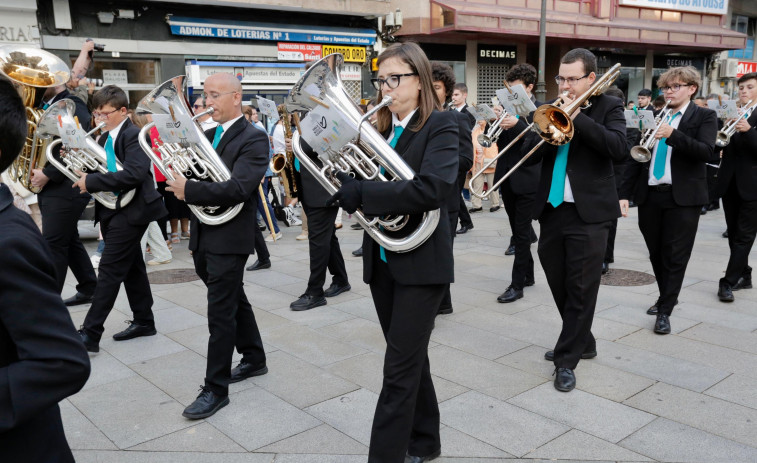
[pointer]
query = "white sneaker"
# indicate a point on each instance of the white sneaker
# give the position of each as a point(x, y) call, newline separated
point(95, 259)
point(270, 237)
point(158, 262)
point(302, 237)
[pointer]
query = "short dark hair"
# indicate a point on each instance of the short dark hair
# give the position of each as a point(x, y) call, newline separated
point(659, 101)
point(462, 87)
point(13, 127)
point(583, 55)
point(443, 73)
point(523, 72)
point(616, 92)
point(112, 95)
point(745, 77)
point(645, 92)
point(701, 98)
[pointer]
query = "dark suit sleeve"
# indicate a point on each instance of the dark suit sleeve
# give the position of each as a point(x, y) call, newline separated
point(701, 147)
point(608, 137)
point(430, 187)
point(466, 145)
point(246, 173)
point(749, 138)
point(136, 167)
point(52, 363)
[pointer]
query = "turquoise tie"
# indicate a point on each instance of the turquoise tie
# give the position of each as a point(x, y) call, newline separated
point(296, 164)
point(217, 138)
point(557, 190)
point(662, 154)
point(45, 106)
point(397, 134)
point(111, 154)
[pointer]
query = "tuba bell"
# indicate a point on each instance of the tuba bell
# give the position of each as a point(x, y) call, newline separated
point(368, 156)
point(190, 152)
point(33, 71)
point(79, 151)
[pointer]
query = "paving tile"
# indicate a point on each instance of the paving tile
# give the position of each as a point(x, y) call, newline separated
point(718, 315)
point(637, 316)
point(200, 438)
point(499, 424)
point(725, 419)
point(578, 445)
point(315, 318)
point(130, 411)
point(666, 440)
point(140, 349)
point(726, 337)
point(359, 332)
point(365, 370)
point(310, 345)
point(594, 415)
point(100, 456)
point(473, 340)
point(351, 414)
point(177, 319)
point(361, 308)
point(458, 444)
point(266, 298)
point(737, 389)
point(511, 326)
point(80, 432)
point(195, 339)
point(256, 418)
point(105, 369)
point(320, 440)
point(178, 375)
point(320, 458)
point(445, 389)
point(192, 297)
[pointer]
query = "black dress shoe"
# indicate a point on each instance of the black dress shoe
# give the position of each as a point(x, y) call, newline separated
point(358, 252)
point(259, 265)
point(588, 354)
point(134, 331)
point(725, 234)
point(713, 206)
point(89, 343)
point(432, 456)
point(743, 283)
point(464, 229)
point(725, 293)
point(565, 379)
point(510, 250)
point(356, 226)
point(307, 302)
point(494, 209)
point(78, 299)
point(510, 295)
point(205, 405)
point(529, 282)
point(475, 209)
point(445, 310)
point(662, 325)
point(246, 370)
point(605, 268)
point(703, 211)
point(335, 290)
point(653, 310)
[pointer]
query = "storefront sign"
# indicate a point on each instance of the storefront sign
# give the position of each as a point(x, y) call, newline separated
point(18, 28)
point(351, 54)
point(228, 29)
point(255, 75)
point(690, 6)
point(299, 51)
point(115, 77)
point(666, 62)
point(350, 72)
point(496, 54)
point(745, 67)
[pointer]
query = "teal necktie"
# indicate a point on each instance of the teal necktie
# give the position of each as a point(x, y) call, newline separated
point(45, 106)
point(217, 137)
point(557, 189)
point(662, 153)
point(397, 134)
point(111, 154)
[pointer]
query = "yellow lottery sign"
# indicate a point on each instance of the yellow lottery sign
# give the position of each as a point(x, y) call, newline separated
point(351, 54)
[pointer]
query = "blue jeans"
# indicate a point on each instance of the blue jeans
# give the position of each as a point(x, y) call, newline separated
point(261, 211)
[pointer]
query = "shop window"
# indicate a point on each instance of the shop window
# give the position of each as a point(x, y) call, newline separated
point(748, 26)
point(490, 78)
point(135, 76)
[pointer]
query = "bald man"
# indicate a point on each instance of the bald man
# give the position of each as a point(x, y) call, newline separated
point(220, 251)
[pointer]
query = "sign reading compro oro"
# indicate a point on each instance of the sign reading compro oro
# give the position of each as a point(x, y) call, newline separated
point(351, 54)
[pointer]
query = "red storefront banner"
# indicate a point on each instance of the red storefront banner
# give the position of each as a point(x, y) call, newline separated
point(745, 67)
point(289, 51)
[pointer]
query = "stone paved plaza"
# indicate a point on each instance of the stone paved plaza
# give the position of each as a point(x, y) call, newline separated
point(686, 397)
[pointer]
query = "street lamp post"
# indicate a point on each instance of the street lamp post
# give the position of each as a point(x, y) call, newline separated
point(541, 86)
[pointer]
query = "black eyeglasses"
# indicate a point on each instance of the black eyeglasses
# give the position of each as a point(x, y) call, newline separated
point(392, 81)
point(570, 80)
point(99, 114)
point(674, 87)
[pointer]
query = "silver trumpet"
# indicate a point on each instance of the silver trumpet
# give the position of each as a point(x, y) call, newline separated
point(92, 159)
point(643, 152)
point(724, 136)
point(197, 158)
point(368, 156)
point(492, 135)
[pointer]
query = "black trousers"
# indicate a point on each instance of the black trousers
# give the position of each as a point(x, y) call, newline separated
point(230, 318)
point(519, 213)
point(463, 214)
point(261, 249)
point(610, 249)
point(407, 412)
point(122, 262)
point(669, 231)
point(571, 252)
point(712, 185)
point(447, 298)
point(324, 249)
point(741, 218)
point(60, 217)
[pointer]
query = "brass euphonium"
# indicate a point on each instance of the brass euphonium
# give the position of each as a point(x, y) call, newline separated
point(283, 163)
point(193, 156)
point(89, 158)
point(368, 156)
point(33, 70)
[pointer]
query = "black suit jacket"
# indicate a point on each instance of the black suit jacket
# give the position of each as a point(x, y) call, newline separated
point(244, 150)
point(433, 153)
point(465, 160)
point(42, 358)
point(59, 185)
point(468, 114)
point(693, 145)
point(739, 163)
point(598, 140)
point(525, 180)
point(312, 193)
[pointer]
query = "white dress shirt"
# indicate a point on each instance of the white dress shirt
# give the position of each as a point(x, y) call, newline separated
point(667, 178)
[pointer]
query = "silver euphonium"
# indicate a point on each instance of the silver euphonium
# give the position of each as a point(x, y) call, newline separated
point(368, 156)
point(723, 137)
point(89, 159)
point(491, 136)
point(643, 152)
point(193, 156)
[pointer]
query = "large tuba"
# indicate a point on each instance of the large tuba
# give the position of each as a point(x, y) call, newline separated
point(192, 153)
point(33, 70)
point(78, 151)
point(368, 157)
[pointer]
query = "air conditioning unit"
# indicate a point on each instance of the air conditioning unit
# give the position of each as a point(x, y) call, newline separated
point(728, 68)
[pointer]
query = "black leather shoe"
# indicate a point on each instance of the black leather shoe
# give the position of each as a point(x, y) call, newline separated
point(713, 206)
point(494, 209)
point(205, 405)
point(356, 226)
point(475, 209)
point(464, 229)
point(529, 282)
point(510, 250)
point(565, 379)
point(743, 283)
point(89, 343)
point(246, 370)
point(725, 234)
point(134, 331)
point(653, 310)
point(445, 310)
point(703, 211)
point(358, 252)
point(259, 265)
point(307, 302)
point(725, 293)
point(662, 325)
point(412, 459)
point(605, 268)
point(78, 299)
point(335, 290)
point(510, 295)
point(589, 354)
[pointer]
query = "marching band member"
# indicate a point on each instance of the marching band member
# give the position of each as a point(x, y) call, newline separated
point(671, 189)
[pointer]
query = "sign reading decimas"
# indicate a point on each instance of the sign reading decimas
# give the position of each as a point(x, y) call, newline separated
point(351, 54)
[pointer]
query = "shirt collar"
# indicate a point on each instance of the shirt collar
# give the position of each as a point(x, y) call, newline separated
point(228, 124)
point(114, 133)
point(402, 123)
point(684, 108)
